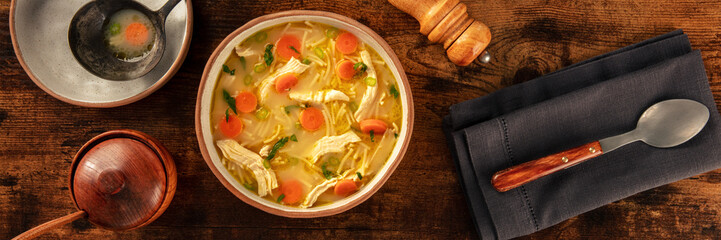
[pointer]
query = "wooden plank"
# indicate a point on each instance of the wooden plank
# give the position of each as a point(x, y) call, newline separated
point(423, 199)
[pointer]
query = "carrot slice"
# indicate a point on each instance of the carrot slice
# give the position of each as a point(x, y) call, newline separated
point(232, 127)
point(377, 126)
point(346, 43)
point(345, 187)
point(285, 82)
point(292, 190)
point(344, 70)
point(136, 34)
point(288, 46)
point(311, 119)
point(246, 102)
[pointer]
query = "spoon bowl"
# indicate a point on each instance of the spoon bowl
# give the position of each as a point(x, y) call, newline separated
point(671, 123)
point(87, 39)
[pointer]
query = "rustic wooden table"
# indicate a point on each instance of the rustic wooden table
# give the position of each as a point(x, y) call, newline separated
point(423, 199)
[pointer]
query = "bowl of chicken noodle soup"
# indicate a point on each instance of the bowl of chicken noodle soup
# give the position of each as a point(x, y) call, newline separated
point(303, 113)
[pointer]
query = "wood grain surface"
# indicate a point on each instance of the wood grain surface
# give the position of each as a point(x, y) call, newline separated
point(423, 199)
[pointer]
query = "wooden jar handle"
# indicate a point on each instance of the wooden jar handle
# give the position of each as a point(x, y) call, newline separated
point(46, 227)
point(447, 22)
point(518, 175)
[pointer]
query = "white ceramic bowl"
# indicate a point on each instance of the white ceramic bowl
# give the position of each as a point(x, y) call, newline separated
point(209, 80)
point(39, 32)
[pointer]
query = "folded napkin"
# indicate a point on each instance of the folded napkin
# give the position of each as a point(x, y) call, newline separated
point(590, 100)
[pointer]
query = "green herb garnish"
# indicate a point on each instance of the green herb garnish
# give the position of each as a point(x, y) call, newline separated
point(332, 32)
point(227, 116)
point(372, 135)
point(247, 80)
point(260, 36)
point(114, 29)
point(258, 68)
point(249, 187)
point(227, 70)
point(230, 100)
point(360, 177)
point(293, 138)
point(281, 198)
point(327, 174)
point(294, 49)
point(279, 144)
point(266, 164)
point(262, 113)
point(394, 91)
point(297, 125)
point(370, 81)
point(268, 56)
point(395, 134)
point(290, 107)
point(242, 62)
point(360, 67)
point(306, 61)
point(319, 52)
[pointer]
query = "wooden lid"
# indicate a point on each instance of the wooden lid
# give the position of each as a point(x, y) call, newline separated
point(123, 179)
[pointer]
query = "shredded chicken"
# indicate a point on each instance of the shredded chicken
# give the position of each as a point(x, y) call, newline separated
point(321, 188)
point(293, 66)
point(370, 99)
point(265, 150)
point(332, 144)
point(320, 96)
point(252, 161)
point(245, 52)
point(317, 191)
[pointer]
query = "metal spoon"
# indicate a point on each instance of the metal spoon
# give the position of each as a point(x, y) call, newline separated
point(86, 37)
point(663, 125)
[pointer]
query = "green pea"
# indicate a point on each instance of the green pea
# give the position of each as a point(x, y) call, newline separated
point(259, 68)
point(319, 52)
point(332, 32)
point(370, 81)
point(260, 36)
point(248, 80)
point(114, 29)
point(262, 113)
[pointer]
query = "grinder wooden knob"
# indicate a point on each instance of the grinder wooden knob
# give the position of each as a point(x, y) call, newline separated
point(447, 22)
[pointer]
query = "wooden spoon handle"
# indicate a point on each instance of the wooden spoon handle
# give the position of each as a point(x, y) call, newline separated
point(518, 175)
point(45, 227)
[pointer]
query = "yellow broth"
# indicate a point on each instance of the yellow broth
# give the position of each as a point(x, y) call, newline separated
point(294, 160)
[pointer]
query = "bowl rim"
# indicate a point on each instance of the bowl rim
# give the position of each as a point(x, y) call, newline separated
point(184, 48)
point(392, 164)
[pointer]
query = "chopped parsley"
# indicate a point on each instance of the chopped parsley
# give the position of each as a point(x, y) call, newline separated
point(242, 62)
point(290, 107)
point(395, 134)
point(294, 50)
point(249, 187)
point(230, 100)
point(227, 116)
point(360, 177)
point(360, 68)
point(306, 61)
point(294, 138)
point(327, 174)
point(261, 36)
point(268, 56)
point(394, 91)
point(279, 144)
point(280, 198)
point(227, 70)
point(372, 135)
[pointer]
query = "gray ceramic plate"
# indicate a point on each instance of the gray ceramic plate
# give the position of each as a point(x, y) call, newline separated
point(39, 31)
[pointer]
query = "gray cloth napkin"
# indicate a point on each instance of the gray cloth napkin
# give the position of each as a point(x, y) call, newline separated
point(590, 100)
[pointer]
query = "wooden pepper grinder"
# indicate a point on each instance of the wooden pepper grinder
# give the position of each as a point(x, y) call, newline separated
point(447, 21)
